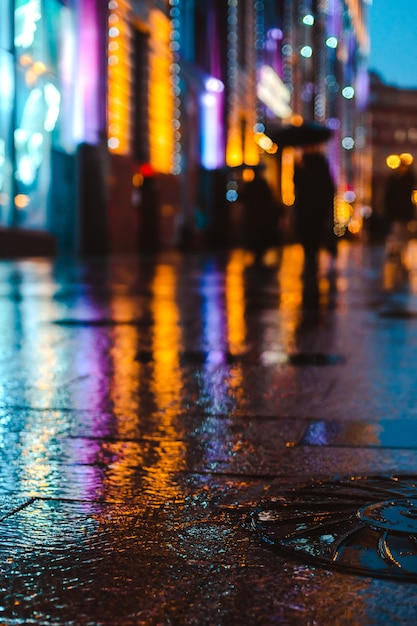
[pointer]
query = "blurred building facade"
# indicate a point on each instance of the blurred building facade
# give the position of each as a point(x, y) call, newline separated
point(130, 124)
point(393, 122)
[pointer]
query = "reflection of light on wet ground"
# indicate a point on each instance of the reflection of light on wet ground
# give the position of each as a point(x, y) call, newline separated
point(44, 369)
point(126, 368)
point(411, 264)
point(224, 332)
point(398, 271)
point(124, 387)
point(291, 292)
point(382, 434)
point(214, 382)
point(235, 312)
point(166, 339)
point(166, 382)
point(235, 302)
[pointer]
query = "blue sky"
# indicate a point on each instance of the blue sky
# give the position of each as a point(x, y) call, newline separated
point(393, 33)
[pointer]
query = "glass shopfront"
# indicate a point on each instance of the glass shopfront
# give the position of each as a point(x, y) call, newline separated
point(38, 105)
point(6, 113)
point(41, 43)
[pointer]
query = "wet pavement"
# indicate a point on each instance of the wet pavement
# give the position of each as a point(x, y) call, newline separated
point(194, 440)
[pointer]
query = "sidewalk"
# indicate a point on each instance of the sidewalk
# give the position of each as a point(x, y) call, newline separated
point(179, 436)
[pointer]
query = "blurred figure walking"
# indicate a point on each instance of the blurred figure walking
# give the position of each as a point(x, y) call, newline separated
point(313, 210)
point(399, 209)
point(260, 216)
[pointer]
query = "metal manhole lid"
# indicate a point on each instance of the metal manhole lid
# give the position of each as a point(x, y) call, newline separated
point(362, 525)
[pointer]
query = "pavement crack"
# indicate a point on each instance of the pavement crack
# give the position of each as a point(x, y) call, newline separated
point(17, 509)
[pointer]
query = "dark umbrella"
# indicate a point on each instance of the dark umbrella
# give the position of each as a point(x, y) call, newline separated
point(309, 133)
point(243, 166)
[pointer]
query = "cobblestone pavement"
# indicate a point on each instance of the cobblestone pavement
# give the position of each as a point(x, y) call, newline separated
point(156, 415)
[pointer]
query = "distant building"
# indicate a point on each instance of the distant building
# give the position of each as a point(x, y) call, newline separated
point(393, 122)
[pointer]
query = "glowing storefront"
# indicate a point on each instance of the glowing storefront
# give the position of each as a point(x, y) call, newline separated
point(49, 106)
point(6, 113)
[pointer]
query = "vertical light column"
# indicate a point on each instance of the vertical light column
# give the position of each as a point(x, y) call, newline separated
point(287, 50)
point(212, 153)
point(255, 40)
point(174, 46)
point(119, 73)
point(234, 153)
point(86, 118)
point(259, 57)
point(7, 112)
point(320, 63)
point(161, 97)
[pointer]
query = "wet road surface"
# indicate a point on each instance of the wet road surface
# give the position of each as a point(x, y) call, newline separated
point(160, 420)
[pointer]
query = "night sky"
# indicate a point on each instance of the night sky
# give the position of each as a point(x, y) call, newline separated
point(393, 32)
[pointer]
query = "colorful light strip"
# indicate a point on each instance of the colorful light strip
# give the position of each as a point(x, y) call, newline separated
point(119, 99)
point(212, 155)
point(161, 100)
point(174, 46)
point(234, 148)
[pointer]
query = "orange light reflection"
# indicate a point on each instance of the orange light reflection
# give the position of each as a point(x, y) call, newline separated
point(235, 311)
point(166, 383)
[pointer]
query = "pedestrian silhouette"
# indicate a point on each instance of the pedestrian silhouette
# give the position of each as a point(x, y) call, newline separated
point(313, 209)
point(399, 208)
point(260, 216)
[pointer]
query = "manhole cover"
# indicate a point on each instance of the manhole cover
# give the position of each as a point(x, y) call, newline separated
point(362, 525)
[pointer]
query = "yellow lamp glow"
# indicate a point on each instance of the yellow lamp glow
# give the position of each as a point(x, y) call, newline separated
point(406, 158)
point(393, 161)
point(234, 152)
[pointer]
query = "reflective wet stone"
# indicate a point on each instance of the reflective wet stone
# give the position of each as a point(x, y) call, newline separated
point(148, 405)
